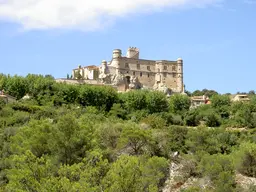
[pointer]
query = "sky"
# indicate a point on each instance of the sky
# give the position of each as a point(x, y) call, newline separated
point(215, 38)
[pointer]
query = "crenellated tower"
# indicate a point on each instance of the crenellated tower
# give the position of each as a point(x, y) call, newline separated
point(133, 52)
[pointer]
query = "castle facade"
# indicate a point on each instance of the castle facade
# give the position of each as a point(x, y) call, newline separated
point(131, 72)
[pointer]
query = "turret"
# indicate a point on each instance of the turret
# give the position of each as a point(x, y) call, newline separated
point(180, 75)
point(104, 66)
point(117, 54)
point(133, 52)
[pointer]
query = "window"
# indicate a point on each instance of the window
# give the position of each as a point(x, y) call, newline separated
point(148, 74)
point(165, 67)
point(164, 74)
point(174, 75)
point(141, 74)
point(173, 68)
point(127, 71)
point(138, 66)
point(133, 72)
point(126, 65)
point(158, 70)
point(148, 67)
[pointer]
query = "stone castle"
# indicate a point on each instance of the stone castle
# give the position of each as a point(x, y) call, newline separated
point(131, 72)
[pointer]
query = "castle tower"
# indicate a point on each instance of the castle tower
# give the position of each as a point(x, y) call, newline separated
point(159, 72)
point(104, 66)
point(133, 52)
point(180, 75)
point(117, 54)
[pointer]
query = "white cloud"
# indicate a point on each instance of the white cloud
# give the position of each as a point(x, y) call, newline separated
point(82, 14)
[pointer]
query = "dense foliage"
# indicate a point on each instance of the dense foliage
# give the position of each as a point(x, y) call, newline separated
point(91, 138)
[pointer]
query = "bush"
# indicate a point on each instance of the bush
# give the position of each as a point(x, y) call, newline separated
point(220, 169)
point(177, 138)
point(155, 121)
point(245, 159)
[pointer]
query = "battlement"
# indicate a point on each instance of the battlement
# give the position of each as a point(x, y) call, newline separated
point(133, 52)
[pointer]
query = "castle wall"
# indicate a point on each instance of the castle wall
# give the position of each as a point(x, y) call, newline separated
point(146, 71)
point(170, 80)
point(143, 69)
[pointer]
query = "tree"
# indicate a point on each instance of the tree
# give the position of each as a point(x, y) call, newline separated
point(29, 173)
point(131, 173)
point(222, 104)
point(205, 92)
point(124, 175)
point(16, 86)
point(155, 121)
point(177, 136)
point(135, 138)
point(118, 111)
point(220, 169)
point(245, 159)
point(252, 92)
point(70, 140)
point(134, 100)
point(179, 104)
point(192, 117)
point(102, 97)
point(156, 102)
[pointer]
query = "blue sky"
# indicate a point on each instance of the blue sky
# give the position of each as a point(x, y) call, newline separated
point(215, 38)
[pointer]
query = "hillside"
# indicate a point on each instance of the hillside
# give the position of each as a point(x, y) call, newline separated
point(90, 138)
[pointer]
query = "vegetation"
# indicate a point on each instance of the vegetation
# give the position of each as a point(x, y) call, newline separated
point(91, 138)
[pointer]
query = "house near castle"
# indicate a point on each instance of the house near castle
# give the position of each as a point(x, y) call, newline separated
point(197, 101)
point(132, 72)
point(89, 72)
point(240, 97)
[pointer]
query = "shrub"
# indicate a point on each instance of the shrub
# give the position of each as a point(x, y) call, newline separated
point(245, 159)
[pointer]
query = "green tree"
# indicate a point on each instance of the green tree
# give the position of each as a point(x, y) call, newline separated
point(134, 100)
point(245, 159)
point(29, 173)
point(222, 104)
point(118, 111)
point(102, 97)
point(155, 121)
point(156, 102)
point(16, 86)
point(220, 169)
point(70, 140)
point(179, 104)
point(131, 173)
point(135, 139)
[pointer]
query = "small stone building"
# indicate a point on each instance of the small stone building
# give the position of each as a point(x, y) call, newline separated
point(89, 72)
